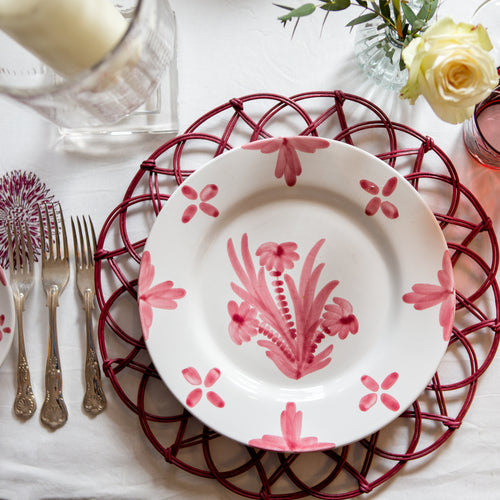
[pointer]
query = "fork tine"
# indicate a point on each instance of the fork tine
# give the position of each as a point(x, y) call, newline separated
point(55, 234)
point(31, 256)
point(76, 246)
point(9, 248)
point(64, 235)
point(17, 248)
point(83, 249)
point(90, 251)
point(94, 244)
point(43, 245)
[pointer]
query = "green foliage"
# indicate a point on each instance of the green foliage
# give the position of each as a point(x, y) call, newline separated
point(396, 14)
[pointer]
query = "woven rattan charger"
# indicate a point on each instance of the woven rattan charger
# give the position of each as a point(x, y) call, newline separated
point(334, 474)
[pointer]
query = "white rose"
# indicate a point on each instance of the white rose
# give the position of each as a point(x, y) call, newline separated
point(450, 65)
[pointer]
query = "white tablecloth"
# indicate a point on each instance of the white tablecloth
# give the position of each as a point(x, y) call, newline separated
point(226, 49)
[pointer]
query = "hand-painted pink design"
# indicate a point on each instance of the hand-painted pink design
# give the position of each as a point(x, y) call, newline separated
point(370, 399)
point(291, 427)
point(425, 295)
point(3, 278)
point(194, 397)
point(20, 194)
point(207, 193)
point(338, 318)
point(388, 209)
point(288, 163)
point(291, 337)
point(162, 296)
point(3, 329)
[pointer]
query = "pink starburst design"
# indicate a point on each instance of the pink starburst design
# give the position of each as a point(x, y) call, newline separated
point(425, 295)
point(206, 194)
point(277, 256)
point(288, 162)
point(291, 428)
point(3, 329)
point(244, 323)
point(369, 400)
point(338, 318)
point(194, 397)
point(162, 296)
point(20, 193)
point(388, 209)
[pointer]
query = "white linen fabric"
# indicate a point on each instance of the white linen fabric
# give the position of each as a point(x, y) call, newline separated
point(226, 49)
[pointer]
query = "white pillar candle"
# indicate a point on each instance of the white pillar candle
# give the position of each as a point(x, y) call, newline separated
point(67, 35)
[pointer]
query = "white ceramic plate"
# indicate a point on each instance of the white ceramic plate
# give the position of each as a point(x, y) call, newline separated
point(296, 294)
point(7, 317)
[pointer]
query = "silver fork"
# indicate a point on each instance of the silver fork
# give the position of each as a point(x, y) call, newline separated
point(21, 282)
point(84, 242)
point(55, 275)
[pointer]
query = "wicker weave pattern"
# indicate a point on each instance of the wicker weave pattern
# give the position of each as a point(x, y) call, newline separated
point(339, 473)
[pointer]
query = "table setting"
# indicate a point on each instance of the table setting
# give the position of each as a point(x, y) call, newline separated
point(247, 251)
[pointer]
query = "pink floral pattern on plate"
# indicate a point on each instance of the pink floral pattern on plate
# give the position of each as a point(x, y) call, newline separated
point(206, 194)
point(3, 327)
point(293, 332)
point(369, 400)
point(162, 296)
point(388, 208)
point(288, 162)
point(290, 440)
point(425, 295)
point(194, 397)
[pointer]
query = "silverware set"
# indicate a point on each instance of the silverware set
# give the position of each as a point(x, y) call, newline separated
point(55, 272)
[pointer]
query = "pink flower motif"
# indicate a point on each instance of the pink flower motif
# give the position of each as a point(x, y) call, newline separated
point(369, 400)
point(277, 256)
point(162, 296)
point(388, 209)
point(194, 397)
point(288, 163)
point(291, 427)
point(207, 193)
point(426, 295)
point(338, 318)
point(20, 194)
point(244, 323)
point(3, 329)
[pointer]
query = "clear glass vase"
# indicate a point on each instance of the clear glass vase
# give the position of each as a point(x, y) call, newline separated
point(378, 52)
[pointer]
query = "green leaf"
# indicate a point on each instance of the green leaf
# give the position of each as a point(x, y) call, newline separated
point(282, 6)
point(362, 19)
point(364, 4)
point(336, 5)
point(303, 10)
point(384, 8)
point(427, 10)
point(409, 14)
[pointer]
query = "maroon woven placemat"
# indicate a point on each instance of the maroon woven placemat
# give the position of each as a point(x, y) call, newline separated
point(334, 474)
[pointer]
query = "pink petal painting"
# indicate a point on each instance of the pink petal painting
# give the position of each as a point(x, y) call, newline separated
point(369, 400)
point(290, 440)
point(425, 295)
point(288, 162)
point(376, 203)
point(192, 376)
point(290, 319)
point(206, 194)
point(161, 296)
point(3, 327)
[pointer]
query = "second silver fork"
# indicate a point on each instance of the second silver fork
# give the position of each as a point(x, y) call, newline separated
point(55, 275)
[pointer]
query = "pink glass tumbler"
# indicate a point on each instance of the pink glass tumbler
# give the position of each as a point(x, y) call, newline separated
point(482, 131)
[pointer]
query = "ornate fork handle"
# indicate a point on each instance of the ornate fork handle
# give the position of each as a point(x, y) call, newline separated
point(94, 400)
point(54, 412)
point(24, 403)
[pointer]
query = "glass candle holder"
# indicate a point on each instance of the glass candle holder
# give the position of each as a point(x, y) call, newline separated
point(132, 89)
